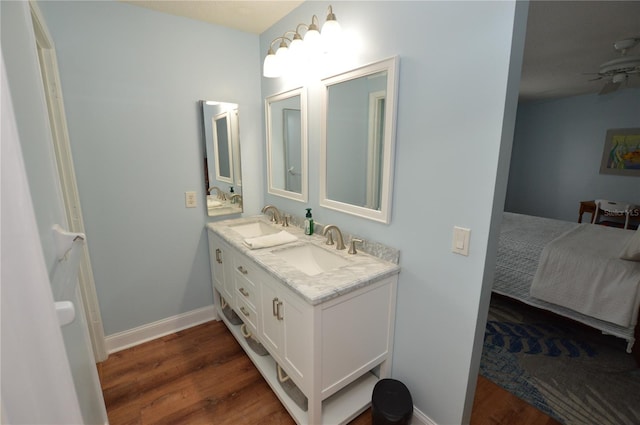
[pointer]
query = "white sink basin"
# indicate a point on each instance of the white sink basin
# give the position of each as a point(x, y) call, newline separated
point(254, 229)
point(310, 259)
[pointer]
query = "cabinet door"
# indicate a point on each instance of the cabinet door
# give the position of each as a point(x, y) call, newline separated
point(215, 257)
point(221, 263)
point(271, 325)
point(297, 338)
point(286, 330)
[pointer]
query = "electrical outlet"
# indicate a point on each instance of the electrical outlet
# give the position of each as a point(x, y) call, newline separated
point(190, 200)
point(460, 244)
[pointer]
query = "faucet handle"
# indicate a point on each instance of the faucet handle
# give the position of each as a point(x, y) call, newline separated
point(352, 245)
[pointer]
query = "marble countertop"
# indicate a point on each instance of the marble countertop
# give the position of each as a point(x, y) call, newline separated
point(362, 269)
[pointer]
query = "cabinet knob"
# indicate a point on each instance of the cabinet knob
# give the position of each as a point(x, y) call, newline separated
point(242, 270)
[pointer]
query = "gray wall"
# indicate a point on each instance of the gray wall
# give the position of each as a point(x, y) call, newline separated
point(557, 150)
point(131, 80)
point(453, 97)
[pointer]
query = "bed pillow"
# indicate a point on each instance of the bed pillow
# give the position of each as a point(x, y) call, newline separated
point(632, 250)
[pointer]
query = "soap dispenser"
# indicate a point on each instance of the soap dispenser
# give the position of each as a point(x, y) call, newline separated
point(308, 223)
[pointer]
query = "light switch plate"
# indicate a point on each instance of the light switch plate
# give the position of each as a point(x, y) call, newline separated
point(190, 200)
point(460, 244)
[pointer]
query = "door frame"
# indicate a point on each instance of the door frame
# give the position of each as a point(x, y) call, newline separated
point(67, 176)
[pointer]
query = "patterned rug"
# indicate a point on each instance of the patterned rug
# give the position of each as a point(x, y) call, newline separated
point(570, 372)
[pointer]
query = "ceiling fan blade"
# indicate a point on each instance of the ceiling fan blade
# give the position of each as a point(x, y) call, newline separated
point(610, 87)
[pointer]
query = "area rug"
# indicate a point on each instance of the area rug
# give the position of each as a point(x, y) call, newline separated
point(572, 373)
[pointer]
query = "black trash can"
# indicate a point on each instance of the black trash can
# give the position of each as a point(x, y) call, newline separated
point(391, 403)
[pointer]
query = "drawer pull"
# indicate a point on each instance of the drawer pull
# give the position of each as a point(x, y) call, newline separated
point(243, 292)
point(218, 257)
point(278, 305)
point(242, 270)
point(274, 307)
point(244, 311)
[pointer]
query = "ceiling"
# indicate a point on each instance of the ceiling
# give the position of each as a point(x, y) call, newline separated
point(565, 40)
point(244, 15)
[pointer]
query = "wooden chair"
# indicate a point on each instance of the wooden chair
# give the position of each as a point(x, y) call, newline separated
point(612, 209)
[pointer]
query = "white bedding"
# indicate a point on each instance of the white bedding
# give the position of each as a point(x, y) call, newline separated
point(522, 239)
point(581, 270)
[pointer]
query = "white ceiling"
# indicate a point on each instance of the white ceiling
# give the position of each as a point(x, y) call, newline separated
point(566, 40)
point(249, 16)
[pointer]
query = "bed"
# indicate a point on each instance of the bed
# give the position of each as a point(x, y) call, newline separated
point(572, 270)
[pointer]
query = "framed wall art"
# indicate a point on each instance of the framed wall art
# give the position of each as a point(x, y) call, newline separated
point(621, 154)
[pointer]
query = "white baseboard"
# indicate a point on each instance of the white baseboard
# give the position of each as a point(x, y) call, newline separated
point(144, 333)
point(420, 418)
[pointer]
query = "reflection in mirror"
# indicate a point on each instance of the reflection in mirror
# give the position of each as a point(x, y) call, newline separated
point(222, 158)
point(222, 147)
point(358, 138)
point(286, 119)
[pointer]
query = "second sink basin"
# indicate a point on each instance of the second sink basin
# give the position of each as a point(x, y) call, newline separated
point(310, 259)
point(254, 229)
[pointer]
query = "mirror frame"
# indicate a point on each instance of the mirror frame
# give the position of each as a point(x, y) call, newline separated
point(303, 196)
point(210, 152)
point(216, 146)
point(383, 215)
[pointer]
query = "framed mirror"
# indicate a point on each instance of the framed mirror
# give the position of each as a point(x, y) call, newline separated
point(358, 140)
point(286, 121)
point(223, 178)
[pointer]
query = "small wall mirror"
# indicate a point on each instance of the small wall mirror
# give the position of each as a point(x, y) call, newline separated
point(223, 178)
point(358, 140)
point(286, 120)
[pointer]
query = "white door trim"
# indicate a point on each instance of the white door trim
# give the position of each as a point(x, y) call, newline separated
point(66, 172)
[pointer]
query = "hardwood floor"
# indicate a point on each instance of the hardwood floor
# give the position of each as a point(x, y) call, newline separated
point(202, 376)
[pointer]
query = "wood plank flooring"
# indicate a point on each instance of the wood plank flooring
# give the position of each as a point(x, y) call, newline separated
point(202, 376)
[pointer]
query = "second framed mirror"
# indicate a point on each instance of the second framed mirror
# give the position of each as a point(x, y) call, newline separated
point(286, 121)
point(358, 140)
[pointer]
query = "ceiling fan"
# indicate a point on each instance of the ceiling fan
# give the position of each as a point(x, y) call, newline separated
point(619, 70)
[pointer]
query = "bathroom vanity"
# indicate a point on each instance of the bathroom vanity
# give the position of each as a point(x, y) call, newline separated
point(325, 317)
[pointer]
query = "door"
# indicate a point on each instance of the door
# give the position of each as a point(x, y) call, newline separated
point(84, 336)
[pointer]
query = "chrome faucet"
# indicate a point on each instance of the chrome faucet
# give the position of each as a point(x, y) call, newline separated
point(221, 194)
point(276, 214)
point(236, 199)
point(328, 229)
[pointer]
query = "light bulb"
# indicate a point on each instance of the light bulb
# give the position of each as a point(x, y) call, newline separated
point(331, 31)
point(271, 68)
point(312, 41)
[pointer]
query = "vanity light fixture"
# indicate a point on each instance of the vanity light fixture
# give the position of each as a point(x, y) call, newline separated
point(314, 42)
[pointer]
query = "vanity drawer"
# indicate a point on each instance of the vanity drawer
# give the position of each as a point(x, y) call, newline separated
point(245, 276)
point(248, 315)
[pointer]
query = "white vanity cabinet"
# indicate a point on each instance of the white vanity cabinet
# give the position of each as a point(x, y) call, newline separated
point(335, 347)
point(221, 267)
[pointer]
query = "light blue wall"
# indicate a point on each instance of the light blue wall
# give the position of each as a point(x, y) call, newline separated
point(454, 67)
point(132, 79)
point(557, 151)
